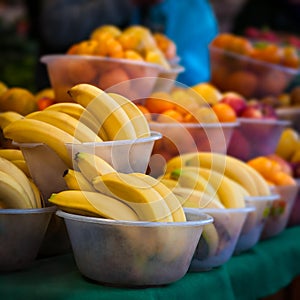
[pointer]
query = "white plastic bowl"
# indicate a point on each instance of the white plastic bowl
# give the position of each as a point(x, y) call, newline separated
point(133, 254)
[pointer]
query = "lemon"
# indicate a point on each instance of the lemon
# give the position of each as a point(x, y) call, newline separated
point(208, 91)
point(288, 143)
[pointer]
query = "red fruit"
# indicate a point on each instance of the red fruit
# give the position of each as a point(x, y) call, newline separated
point(44, 102)
point(235, 100)
point(252, 112)
point(239, 147)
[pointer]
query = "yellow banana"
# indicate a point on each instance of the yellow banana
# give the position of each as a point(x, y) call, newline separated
point(66, 123)
point(8, 167)
point(11, 154)
point(230, 196)
point(37, 194)
point(178, 162)
point(170, 198)
point(34, 131)
point(135, 115)
point(144, 200)
point(22, 165)
point(108, 112)
point(189, 179)
point(78, 112)
point(227, 165)
point(91, 165)
point(196, 199)
point(76, 181)
point(93, 203)
point(12, 193)
point(8, 117)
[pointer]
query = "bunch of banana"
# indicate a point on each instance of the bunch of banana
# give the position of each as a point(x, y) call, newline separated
point(16, 189)
point(231, 167)
point(119, 117)
point(96, 188)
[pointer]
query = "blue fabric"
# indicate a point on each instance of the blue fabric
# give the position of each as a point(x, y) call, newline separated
point(191, 24)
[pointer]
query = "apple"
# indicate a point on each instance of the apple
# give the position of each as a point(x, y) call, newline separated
point(239, 146)
point(253, 112)
point(235, 100)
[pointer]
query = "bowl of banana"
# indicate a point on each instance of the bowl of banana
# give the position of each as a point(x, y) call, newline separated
point(21, 235)
point(218, 240)
point(133, 253)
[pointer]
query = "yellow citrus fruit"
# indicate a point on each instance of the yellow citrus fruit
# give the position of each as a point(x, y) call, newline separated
point(208, 91)
point(105, 30)
point(19, 100)
point(288, 143)
point(45, 93)
point(3, 87)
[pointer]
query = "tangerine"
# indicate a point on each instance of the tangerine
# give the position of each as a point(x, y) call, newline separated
point(224, 112)
point(159, 102)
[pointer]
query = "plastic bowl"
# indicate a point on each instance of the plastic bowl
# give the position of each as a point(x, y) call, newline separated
point(46, 167)
point(294, 219)
point(21, 235)
point(133, 254)
point(255, 137)
point(280, 211)
point(291, 114)
point(67, 70)
point(218, 240)
point(179, 138)
point(255, 222)
point(250, 77)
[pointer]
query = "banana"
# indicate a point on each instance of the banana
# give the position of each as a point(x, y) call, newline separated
point(227, 165)
point(11, 154)
point(188, 178)
point(91, 165)
point(230, 196)
point(178, 161)
point(144, 200)
point(93, 203)
point(211, 237)
point(12, 193)
point(34, 131)
point(22, 165)
point(114, 120)
point(78, 112)
point(135, 115)
point(66, 123)
point(19, 176)
point(37, 194)
point(8, 117)
point(170, 198)
point(170, 183)
point(76, 181)
point(196, 199)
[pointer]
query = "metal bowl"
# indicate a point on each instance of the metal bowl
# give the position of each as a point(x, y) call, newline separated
point(21, 235)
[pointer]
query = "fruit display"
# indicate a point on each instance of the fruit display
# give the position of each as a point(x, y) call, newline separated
point(252, 69)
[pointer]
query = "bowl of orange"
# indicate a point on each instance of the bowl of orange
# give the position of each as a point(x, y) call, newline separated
point(254, 70)
point(187, 125)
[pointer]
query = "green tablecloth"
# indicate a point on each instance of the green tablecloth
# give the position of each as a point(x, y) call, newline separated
point(269, 266)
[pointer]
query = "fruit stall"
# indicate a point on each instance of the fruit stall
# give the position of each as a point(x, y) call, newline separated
point(118, 181)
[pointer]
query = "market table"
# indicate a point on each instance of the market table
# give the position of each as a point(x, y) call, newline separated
point(269, 266)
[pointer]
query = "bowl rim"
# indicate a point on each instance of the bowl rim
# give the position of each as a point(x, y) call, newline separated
point(264, 121)
point(46, 59)
point(206, 219)
point(291, 110)
point(245, 209)
point(270, 198)
point(155, 135)
point(196, 125)
point(291, 71)
point(19, 211)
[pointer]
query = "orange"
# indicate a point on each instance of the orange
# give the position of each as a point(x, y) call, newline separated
point(114, 77)
point(264, 166)
point(132, 54)
point(281, 178)
point(105, 30)
point(224, 112)
point(87, 47)
point(109, 47)
point(166, 45)
point(290, 57)
point(145, 111)
point(73, 49)
point(208, 91)
point(169, 116)
point(159, 102)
